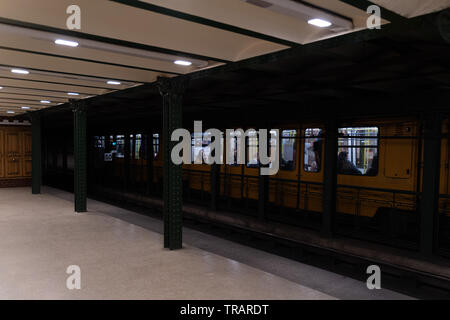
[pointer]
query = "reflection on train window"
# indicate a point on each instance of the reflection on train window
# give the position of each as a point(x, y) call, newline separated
point(234, 144)
point(117, 145)
point(155, 144)
point(288, 143)
point(358, 151)
point(312, 150)
point(99, 142)
point(137, 147)
point(252, 149)
point(131, 146)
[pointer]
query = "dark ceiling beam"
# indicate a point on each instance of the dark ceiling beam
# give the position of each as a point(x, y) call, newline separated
point(47, 90)
point(60, 83)
point(123, 43)
point(68, 73)
point(32, 95)
point(88, 60)
point(385, 13)
point(205, 21)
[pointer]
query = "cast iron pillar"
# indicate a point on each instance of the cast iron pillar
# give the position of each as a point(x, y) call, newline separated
point(329, 177)
point(172, 93)
point(429, 204)
point(126, 160)
point(36, 152)
point(150, 155)
point(79, 133)
point(215, 185)
point(263, 183)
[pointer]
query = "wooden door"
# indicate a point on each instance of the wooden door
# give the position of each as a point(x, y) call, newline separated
point(2, 155)
point(26, 160)
point(13, 163)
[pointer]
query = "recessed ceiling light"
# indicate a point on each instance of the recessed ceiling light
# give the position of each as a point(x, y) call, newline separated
point(45, 101)
point(1, 88)
point(25, 108)
point(319, 23)
point(113, 82)
point(73, 93)
point(66, 43)
point(182, 62)
point(10, 111)
point(20, 71)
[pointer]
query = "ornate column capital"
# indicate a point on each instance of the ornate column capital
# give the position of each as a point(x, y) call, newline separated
point(78, 106)
point(175, 85)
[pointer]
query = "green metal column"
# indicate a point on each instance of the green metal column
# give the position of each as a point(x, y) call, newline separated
point(79, 134)
point(36, 153)
point(150, 155)
point(172, 93)
point(329, 177)
point(429, 204)
point(126, 160)
point(215, 185)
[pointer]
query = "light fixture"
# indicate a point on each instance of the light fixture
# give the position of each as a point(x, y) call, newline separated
point(182, 62)
point(113, 82)
point(319, 22)
point(20, 71)
point(9, 111)
point(66, 43)
point(1, 87)
point(25, 108)
point(304, 11)
point(45, 101)
point(73, 94)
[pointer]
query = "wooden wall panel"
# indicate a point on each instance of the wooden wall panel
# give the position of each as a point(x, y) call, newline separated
point(26, 151)
point(15, 152)
point(2, 154)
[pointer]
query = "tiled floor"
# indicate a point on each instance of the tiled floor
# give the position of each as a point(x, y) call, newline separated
point(120, 255)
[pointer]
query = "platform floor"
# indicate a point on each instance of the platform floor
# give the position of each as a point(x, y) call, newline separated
point(120, 255)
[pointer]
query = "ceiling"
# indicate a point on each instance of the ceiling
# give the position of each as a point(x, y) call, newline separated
point(133, 42)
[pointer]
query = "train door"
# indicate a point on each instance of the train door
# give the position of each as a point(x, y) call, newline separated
point(284, 186)
point(311, 170)
point(232, 181)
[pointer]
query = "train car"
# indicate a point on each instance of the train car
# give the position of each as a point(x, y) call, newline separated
point(379, 163)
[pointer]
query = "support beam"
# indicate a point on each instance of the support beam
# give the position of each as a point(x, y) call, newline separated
point(79, 134)
point(126, 160)
point(149, 156)
point(429, 204)
point(36, 153)
point(263, 184)
point(329, 177)
point(215, 185)
point(172, 93)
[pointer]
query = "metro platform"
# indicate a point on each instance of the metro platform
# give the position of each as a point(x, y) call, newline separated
point(120, 257)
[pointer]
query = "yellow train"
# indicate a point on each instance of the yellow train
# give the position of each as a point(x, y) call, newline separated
point(379, 168)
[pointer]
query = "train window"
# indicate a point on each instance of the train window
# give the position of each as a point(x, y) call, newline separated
point(131, 146)
point(117, 146)
point(288, 143)
point(358, 151)
point(235, 143)
point(155, 144)
point(99, 142)
point(312, 154)
point(252, 149)
point(138, 146)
